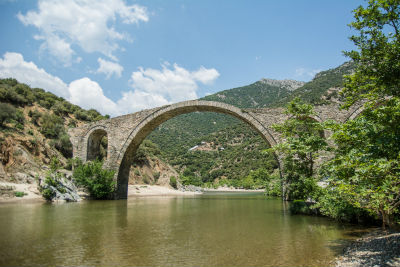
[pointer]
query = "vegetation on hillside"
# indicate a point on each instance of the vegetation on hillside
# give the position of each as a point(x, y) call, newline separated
point(40, 114)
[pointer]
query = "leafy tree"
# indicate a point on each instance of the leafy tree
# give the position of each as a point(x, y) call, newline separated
point(377, 59)
point(366, 168)
point(98, 181)
point(303, 143)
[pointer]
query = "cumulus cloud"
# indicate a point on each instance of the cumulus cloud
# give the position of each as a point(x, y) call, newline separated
point(306, 73)
point(173, 84)
point(89, 24)
point(88, 94)
point(109, 68)
point(150, 87)
point(83, 92)
point(13, 65)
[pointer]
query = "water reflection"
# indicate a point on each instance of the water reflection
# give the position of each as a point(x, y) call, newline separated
point(206, 230)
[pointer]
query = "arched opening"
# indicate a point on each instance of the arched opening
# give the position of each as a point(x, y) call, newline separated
point(97, 144)
point(136, 137)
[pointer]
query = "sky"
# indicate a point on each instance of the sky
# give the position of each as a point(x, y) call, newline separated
point(121, 56)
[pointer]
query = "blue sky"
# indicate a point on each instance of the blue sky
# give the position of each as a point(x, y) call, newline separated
point(122, 56)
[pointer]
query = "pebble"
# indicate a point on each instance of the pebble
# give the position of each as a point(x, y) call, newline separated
point(379, 248)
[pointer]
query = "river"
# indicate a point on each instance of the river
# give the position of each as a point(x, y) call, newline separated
point(213, 229)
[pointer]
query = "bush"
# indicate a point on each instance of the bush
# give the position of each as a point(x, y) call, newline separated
point(51, 126)
point(98, 181)
point(173, 182)
point(19, 194)
point(64, 145)
point(7, 113)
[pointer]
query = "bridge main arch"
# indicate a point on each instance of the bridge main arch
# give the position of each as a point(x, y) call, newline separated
point(124, 158)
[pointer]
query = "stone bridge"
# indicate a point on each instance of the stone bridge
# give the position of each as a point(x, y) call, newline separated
point(125, 133)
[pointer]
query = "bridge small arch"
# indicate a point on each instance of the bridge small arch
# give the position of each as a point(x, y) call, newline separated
point(148, 124)
point(96, 147)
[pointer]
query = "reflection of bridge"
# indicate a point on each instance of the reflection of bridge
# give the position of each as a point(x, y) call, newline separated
point(125, 133)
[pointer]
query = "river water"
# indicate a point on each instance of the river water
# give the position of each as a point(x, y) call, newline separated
point(214, 229)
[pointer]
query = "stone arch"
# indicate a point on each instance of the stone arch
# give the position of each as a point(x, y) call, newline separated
point(148, 124)
point(357, 112)
point(93, 141)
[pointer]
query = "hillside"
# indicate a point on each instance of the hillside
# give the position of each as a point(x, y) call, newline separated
point(33, 136)
point(260, 94)
point(34, 124)
point(177, 135)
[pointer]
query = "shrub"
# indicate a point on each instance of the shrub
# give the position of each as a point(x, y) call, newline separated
point(19, 194)
point(173, 182)
point(156, 176)
point(98, 181)
point(7, 113)
point(51, 125)
point(64, 145)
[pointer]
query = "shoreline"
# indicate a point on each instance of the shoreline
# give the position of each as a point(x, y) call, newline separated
point(138, 190)
point(377, 248)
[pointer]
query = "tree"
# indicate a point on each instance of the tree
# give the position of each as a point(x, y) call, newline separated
point(366, 168)
point(377, 59)
point(304, 140)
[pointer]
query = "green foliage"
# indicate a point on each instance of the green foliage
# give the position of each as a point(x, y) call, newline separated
point(52, 126)
point(64, 145)
point(146, 149)
point(304, 141)
point(7, 113)
point(19, 194)
point(173, 182)
point(377, 73)
point(48, 194)
point(156, 176)
point(55, 164)
point(98, 181)
point(366, 166)
point(331, 203)
point(72, 163)
point(316, 91)
point(256, 95)
point(365, 171)
point(301, 207)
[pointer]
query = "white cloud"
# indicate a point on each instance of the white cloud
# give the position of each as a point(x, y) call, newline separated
point(89, 24)
point(109, 68)
point(132, 101)
point(306, 73)
point(83, 92)
point(151, 87)
point(13, 65)
point(174, 85)
point(88, 94)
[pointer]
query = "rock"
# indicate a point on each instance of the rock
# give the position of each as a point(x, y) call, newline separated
point(65, 190)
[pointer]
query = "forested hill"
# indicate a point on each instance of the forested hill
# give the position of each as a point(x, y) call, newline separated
point(272, 93)
point(176, 136)
point(257, 95)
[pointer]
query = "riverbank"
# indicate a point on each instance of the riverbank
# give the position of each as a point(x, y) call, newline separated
point(231, 189)
point(378, 248)
point(156, 190)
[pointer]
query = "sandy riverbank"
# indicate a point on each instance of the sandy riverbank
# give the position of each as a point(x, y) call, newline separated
point(31, 191)
point(231, 189)
point(156, 190)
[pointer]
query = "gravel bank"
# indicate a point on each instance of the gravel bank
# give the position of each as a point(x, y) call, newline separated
point(378, 248)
